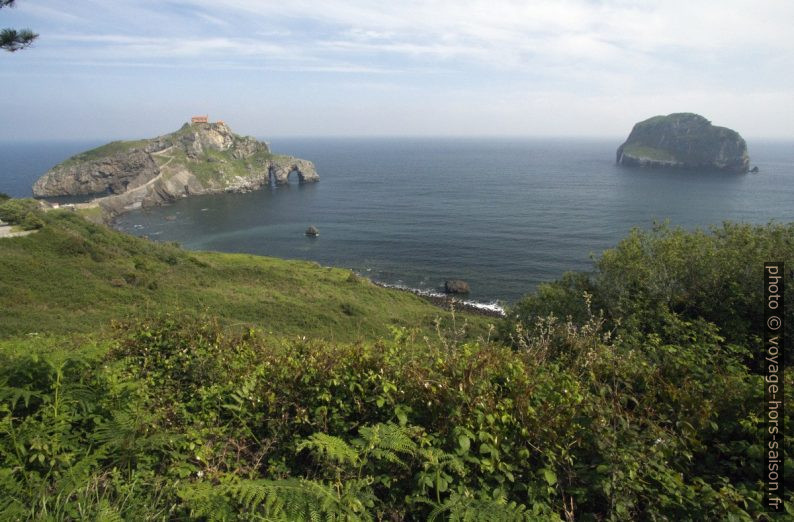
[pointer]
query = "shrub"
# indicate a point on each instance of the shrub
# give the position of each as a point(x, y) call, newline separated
point(713, 275)
point(184, 417)
point(24, 213)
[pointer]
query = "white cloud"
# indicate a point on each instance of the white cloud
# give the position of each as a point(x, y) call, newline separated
point(500, 35)
point(575, 57)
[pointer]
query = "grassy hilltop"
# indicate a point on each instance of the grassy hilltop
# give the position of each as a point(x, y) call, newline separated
point(74, 276)
point(140, 381)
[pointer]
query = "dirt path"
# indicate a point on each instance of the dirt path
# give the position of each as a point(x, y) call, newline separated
point(161, 152)
point(145, 185)
point(6, 231)
point(170, 159)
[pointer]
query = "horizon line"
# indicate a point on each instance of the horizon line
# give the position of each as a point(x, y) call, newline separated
point(382, 136)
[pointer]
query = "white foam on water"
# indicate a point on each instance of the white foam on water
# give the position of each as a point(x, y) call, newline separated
point(489, 307)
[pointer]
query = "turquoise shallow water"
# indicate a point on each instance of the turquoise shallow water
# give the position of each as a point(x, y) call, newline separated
point(503, 214)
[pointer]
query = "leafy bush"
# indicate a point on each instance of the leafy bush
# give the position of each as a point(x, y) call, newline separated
point(24, 213)
point(190, 419)
point(714, 275)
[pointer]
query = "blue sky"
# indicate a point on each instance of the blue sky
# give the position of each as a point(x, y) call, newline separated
point(105, 69)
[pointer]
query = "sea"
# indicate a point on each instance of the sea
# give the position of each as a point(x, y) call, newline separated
point(503, 214)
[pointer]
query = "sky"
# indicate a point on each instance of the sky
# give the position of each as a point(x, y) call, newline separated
point(116, 69)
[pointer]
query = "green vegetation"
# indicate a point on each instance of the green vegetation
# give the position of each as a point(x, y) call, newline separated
point(215, 168)
point(103, 151)
point(12, 40)
point(192, 149)
point(173, 158)
point(702, 275)
point(249, 388)
point(218, 168)
point(641, 151)
point(23, 213)
point(92, 214)
point(74, 276)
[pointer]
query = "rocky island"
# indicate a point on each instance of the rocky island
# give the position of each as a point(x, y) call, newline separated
point(200, 158)
point(684, 141)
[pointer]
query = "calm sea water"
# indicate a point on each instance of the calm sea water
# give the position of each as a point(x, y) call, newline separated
point(502, 214)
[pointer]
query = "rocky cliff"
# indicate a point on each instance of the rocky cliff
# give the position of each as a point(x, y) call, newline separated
point(199, 158)
point(684, 141)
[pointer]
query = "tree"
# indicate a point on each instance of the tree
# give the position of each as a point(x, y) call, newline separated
point(12, 40)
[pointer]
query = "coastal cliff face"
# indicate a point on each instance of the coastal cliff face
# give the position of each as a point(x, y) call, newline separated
point(684, 141)
point(114, 173)
point(199, 158)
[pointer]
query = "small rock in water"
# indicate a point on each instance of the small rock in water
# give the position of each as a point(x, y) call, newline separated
point(456, 286)
point(754, 170)
point(312, 231)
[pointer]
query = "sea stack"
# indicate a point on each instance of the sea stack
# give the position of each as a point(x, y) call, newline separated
point(684, 141)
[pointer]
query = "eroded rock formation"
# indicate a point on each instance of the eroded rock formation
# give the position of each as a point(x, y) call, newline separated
point(199, 158)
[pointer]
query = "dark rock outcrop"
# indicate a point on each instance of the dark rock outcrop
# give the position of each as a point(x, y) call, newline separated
point(684, 141)
point(456, 286)
point(112, 174)
point(199, 158)
point(312, 231)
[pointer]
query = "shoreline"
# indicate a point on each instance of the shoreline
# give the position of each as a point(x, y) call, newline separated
point(445, 301)
point(438, 299)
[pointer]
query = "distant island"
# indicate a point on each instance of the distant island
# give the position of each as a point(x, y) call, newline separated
point(684, 141)
point(202, 157)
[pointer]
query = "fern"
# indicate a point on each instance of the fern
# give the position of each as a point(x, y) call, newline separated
point(438, 459)
point(380, 441)
point(129, 434)
point(12, 395)
point(12, 495)
point(108, 513)
point(386, 441)
point(294, 500)
point(331, 448)
point(79, 475)
point(350, 495)
point(206, 501)
point(289, 499)
point(464, 508)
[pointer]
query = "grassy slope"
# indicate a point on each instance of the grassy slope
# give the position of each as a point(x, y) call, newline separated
point(73, 276)
point(219, 168)
point(642, 151)
point(214, 168)
point(103, 151)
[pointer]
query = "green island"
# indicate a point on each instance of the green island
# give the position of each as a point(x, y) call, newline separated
point(684, 140)
point(142, 381)
point(201, 157)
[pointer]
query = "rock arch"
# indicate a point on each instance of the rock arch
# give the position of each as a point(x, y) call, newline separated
point(279, 171)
